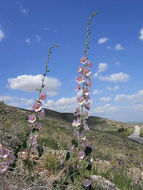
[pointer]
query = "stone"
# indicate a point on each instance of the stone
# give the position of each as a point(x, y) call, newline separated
point(100, 183)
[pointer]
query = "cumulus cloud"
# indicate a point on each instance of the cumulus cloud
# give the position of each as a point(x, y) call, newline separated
point(115, 77)
point(113, 88)
point(102, 40)
point(105, 109)
point(2, 35)
point(131, 99)
point(96, 91)
point(105, 99)
point(63, 104)
point(30, 83)
point(18, 102)
point(141, 34)
point(119, 47)
point(102, 67)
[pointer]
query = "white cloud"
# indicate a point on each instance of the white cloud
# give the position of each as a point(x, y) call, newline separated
point(105, 109)
point(102, 40)
point(102, 67)
point(38, 38)
point(117, 63)
point(141, 34)
point(28, 41)
point(115, 77)
point(23, 10)
point(109, 47)
point(46, 28)
point(63, 104)
point(109, 88)
point(116, 87)
point(96, 91)
point(96, 75)
point(105, 99)
point(131, 99)
point(18, 102)
point(2, 35)
point(119, 47)
point(113, 88)
point(30, 83)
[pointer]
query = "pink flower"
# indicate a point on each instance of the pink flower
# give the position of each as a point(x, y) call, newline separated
point(73, 149)
point(3, 167)
point(80, 79)
point(87, 106)
point(37, 106)
point(37, 125)
point(86, 71)
point(78, 87)
point(42, 113)
point(81, 100)
point(86, 182)
point(89, 64)
point(84, 143)
point(32, 118)
point(10, 159)
point(80, 69)
point(85, 125)
point(83, 60)
point(84, 114)
point(76, 133)
point(76, 123)
point(81, 155)
point(86, 91)
point(88, 82)
point(77, 112)
point(42, 96)
point(33, 140)
point(4, 153)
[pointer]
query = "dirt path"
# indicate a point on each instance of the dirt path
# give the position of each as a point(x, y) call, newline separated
point(135, 136)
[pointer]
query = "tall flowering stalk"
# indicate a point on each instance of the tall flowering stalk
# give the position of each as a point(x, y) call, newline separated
point(80, 147)
point(37, 107)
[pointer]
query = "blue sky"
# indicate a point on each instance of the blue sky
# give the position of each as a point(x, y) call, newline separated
point(28, 28)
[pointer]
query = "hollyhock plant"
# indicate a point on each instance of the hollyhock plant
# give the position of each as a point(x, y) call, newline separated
point(83, 151)
point(37, 107)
